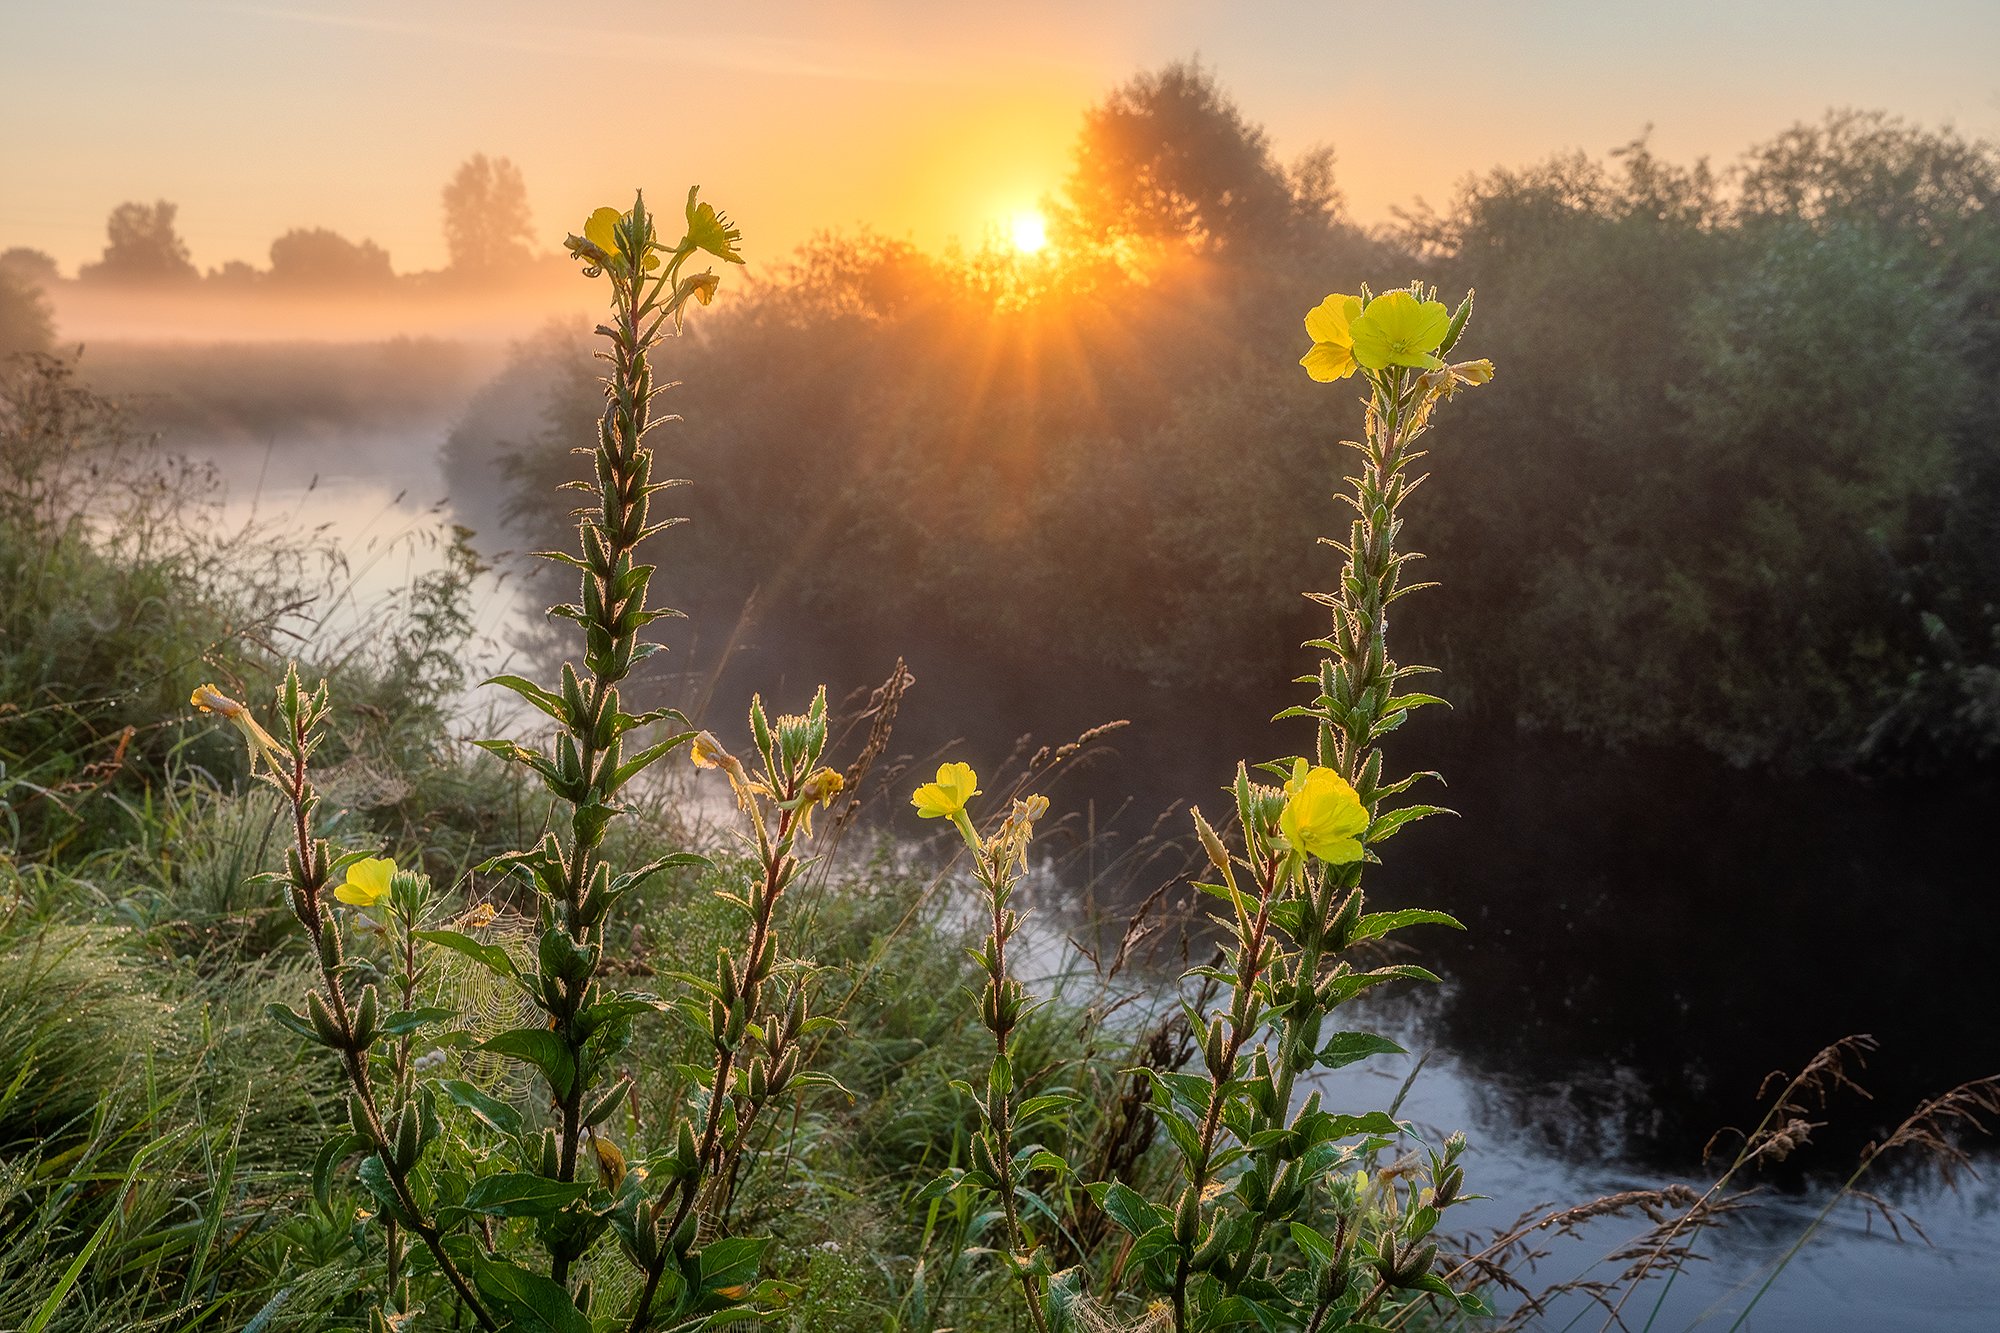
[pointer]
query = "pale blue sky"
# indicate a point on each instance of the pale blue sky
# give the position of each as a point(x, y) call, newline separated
point(928, 119)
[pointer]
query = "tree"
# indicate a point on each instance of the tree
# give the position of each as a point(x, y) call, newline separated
point(32, 267)
point(25, 325)
point(142, 246)
point(1168, 157)
point(322, 258)
point(486, 223)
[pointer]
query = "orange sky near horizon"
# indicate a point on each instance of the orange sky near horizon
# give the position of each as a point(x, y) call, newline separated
point(926, 121)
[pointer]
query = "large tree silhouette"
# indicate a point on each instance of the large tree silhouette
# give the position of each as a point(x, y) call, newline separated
point(486, 223)
point(141, 245)
point(1168, 158)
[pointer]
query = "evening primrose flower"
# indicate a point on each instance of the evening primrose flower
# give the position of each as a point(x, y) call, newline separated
point(819, 789)
point(1010, 844)
point(601, 230)
point(209, 699)
point(1328, 325)
point(1323, 816)
point(946, 798)
point(711, 231)
point(367, 882)
point(1396, 329)
point(706, 752)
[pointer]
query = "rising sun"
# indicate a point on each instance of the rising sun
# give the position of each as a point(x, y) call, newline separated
point(1030, 232)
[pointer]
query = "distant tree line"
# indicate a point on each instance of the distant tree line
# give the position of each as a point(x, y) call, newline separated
point(1736, 487)
point(487, 226)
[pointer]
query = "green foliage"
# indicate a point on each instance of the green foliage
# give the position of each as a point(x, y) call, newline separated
point(1749, 421)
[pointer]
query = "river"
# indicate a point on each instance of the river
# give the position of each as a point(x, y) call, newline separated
point(1648, 934)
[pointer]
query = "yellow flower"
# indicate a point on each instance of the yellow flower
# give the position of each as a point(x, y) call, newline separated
point(706, 751)
point(711, 231)
point(1323, 816)
point(819, 789)
point(601, 230)
point(703, 285)
point(947, 797)
point(1328, 325)
point(367, 882)
point(1010, 844)
point(1397, 329)
point(209, 699)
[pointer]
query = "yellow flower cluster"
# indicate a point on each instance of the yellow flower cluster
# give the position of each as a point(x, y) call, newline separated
point(1323, 816)
point(1394, 329)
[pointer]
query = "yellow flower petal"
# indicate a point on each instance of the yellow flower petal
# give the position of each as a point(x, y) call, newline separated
point(1328, 362)
point(367, 882)
point(1396, 329)
point(946, 798)
point(1323, 816)
point(712, 231)
point(602, 230)
point(1328, 321)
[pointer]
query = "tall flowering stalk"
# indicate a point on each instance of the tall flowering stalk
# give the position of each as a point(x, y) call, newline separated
point(1270, 1219)
point(999, 1164)
point(446, 1162)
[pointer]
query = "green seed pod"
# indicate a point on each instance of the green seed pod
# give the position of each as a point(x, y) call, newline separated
point(357, 1116)
point(1413, 1267)
point(683, 1237)
point(1187, 1217)
point(600, 1110)
point(409, 1140)
point(329, 949)
point(322, 1020)
point(982, 1157)
point(1215, 1049)
point(759, 1082)
point(551, 1155)
point(365, 1013)
point(687, 1153)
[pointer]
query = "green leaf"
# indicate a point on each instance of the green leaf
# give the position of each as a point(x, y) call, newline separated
point(374, 1177)
point(494, 958)
point(1348, 1047)
point(335, 1151)
point(647, 757)
point(732, 1261)
point(549, 702)
point(521, 1194)
point(1127, 1207)
point(1387, 826)
point(291, 1018)
point(1381, 923)
point(405, 1021)
point(1317, 1248)
point(532, 1302)
point(1034, 1106)
point(541, 1048)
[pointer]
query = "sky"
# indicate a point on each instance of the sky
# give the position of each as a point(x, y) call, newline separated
point(924, 119)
